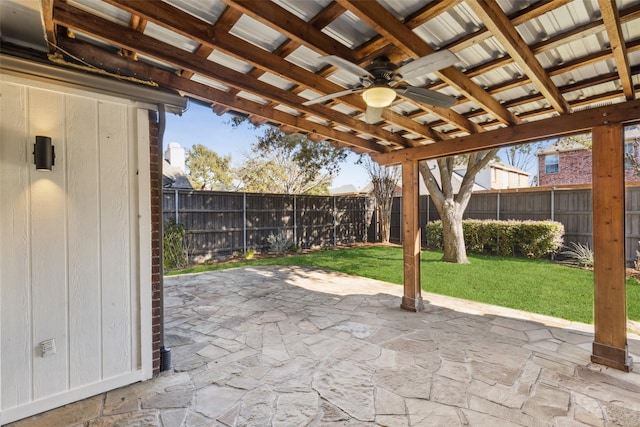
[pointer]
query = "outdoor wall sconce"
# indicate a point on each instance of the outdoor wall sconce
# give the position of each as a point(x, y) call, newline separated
point(44, 154)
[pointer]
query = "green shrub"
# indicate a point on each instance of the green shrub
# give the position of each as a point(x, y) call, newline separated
point(533, 239)
point(175, 248)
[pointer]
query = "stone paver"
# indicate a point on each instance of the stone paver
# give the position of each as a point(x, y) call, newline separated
point(292, 346)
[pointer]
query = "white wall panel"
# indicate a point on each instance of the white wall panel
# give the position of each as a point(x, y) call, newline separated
point(71, 245)
point(85, 309)
point(114, 222)
point(15, 256)
point(48, 247)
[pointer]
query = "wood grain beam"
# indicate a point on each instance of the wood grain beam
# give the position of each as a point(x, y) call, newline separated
point(211, 37)
point(280, 19)
point(49, 27)
point(125, 38)
point(577, 122)
point(379, 44)
point(611, 21)
point(609, 270)
point(225, 100)
point(375, 15)
point(491, 14)
point(412, 298)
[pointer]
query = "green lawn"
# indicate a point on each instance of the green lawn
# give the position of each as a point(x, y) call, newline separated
point(538, 286)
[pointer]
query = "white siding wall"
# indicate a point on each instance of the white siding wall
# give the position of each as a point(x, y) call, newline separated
point(74, 246)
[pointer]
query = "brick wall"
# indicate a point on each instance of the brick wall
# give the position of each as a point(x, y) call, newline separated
point(156, 240)
point(574, 168)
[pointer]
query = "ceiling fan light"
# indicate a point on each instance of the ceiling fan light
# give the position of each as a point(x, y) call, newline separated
point(379, 97)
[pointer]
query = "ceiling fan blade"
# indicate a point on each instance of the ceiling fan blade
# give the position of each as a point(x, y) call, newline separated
point(426, 96)
point(427, 64)
point(373, 114)
point(346, 65)
point(331, 96)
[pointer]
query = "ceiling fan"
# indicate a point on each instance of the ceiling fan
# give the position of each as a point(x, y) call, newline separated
point(380, 82)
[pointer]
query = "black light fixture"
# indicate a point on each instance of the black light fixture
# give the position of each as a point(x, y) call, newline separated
point(44, 155)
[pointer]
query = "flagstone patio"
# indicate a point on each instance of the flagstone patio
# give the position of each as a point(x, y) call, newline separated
point(293, 346)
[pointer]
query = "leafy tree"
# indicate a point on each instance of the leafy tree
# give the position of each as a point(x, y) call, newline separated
point(207, 170)
point(451, 206)
point(384, 181)
point(290, 164)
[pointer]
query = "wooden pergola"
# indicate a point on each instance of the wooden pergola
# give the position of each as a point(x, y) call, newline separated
point(551, 68)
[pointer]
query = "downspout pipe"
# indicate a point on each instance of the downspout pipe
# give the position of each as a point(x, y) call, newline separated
point(165, 353)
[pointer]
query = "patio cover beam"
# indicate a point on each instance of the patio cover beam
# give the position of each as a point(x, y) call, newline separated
point(412, 298)
point(575, 123)
point(610, 306)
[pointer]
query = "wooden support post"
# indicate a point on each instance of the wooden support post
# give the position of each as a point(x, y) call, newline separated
point(412, 299)
point(610, 310)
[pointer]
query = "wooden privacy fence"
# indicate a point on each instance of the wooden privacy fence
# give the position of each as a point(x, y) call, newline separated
point(570, 206)
point(219, 223)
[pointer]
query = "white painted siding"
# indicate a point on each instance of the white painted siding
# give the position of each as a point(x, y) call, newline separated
point(74, 246)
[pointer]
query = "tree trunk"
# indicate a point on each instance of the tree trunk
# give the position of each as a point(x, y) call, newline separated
point(452, 234)
point(385, 225)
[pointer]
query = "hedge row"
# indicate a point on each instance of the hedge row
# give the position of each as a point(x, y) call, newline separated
point(533, 239)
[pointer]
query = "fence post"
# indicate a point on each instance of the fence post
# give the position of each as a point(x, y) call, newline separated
point(498, 206)
point(553, 204)
point(335, 223)
point(295, 222)
point(244, 222)
point(175, 202)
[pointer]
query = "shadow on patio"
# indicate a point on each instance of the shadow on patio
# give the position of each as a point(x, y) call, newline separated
point(292, 346)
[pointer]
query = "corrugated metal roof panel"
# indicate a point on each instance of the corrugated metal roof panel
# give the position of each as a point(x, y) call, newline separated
point(344, 108)
point(276, 81)
point(305, 58)
point(230, 62)
point(103, 10)
point(209, 82)
point(170, 37)
point(287, 110)
point(208, 11)
point(402, 8)
point(349, 30)
point(252, 97)
point(303, 9)
point(257, 33)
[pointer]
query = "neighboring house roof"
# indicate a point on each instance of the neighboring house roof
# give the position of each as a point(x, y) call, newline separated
point(561, 147)
point(174, 177)
point(456, 179)
point(345, 190)
point(500, 165)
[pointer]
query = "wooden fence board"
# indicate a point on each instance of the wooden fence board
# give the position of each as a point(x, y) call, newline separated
point(571, 207)
point(220, 223)
point(223, 222)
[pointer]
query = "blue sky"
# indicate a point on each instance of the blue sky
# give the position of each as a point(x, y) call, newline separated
point(200, 125)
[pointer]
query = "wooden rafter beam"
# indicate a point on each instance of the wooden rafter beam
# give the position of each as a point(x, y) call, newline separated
point(535, 10)
point(611, 21)
point(226, 21)
point(223, 100)
point(290, 25)
point(577, 122)
point(380, 45)
point(211, 37)
point(492, 15)
point(376, 16)
point(72, 17)
point(49, 27)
